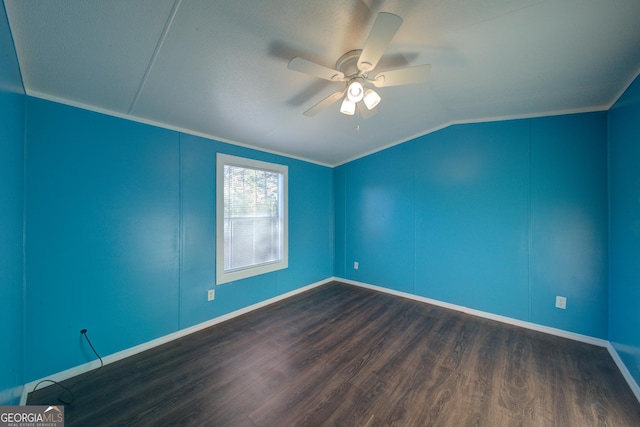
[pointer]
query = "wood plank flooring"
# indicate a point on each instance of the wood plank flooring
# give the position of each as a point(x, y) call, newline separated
point(346, 356)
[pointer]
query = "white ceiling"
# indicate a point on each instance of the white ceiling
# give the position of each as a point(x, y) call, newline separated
point(219, 68)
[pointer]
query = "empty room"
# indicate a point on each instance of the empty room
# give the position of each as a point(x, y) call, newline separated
point(355, 213)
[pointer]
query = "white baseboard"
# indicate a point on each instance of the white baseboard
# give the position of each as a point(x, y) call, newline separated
point(624, 371)
point(503, 319)
point(69, 373)
point(508, 320)
point(81, 369)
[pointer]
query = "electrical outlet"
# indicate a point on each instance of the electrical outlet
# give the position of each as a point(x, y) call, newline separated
point(561, 302)
point(355, 265)
point(211, 295)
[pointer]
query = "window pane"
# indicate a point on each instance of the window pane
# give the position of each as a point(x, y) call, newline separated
point(251, 216)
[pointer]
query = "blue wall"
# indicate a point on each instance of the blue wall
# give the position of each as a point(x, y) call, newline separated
point(499, 217)
point(120, 235)
point(472, 195)
point(11, 218)
point(624, 249)
point(569, 222)
point(310, 232)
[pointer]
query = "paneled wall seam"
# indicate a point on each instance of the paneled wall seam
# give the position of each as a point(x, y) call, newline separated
point(609, 249)
point(413, 212)
point(608, 232)
point(180, 231)
point(346, 218)
point(24, 238)
point(530, 230)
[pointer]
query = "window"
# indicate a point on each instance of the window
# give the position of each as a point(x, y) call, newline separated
point(251, 218)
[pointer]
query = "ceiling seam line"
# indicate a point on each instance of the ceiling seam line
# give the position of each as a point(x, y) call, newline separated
point(156, 51)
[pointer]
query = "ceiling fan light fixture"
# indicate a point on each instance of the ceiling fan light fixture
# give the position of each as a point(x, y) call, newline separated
point(354, 67)
point(371, 99)
point(355, 92)
point(348, 107)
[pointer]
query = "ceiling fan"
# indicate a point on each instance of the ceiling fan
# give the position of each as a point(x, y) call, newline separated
point(355, 70)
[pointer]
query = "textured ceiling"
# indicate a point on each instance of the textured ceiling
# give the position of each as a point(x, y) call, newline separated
point(219, 68)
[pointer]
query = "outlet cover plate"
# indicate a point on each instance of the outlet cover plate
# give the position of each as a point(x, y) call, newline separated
point(561, 302)
point(211, 294)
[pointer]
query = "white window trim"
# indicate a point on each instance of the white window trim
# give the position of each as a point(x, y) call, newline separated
point(225, 159)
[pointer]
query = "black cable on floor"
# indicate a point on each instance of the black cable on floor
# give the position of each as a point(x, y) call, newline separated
point(67, 389)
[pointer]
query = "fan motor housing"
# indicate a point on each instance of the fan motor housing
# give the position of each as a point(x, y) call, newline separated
point(348, 63)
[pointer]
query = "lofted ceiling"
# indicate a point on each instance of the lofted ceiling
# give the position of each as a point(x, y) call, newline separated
point(218, 68)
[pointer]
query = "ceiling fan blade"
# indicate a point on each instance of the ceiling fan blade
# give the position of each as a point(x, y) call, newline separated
point(402, 76)
point(365, 112)
point(329, 100)
point(305, 66)
point(384, 28)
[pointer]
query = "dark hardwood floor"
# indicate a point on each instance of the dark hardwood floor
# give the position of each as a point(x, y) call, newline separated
point(342, 355)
